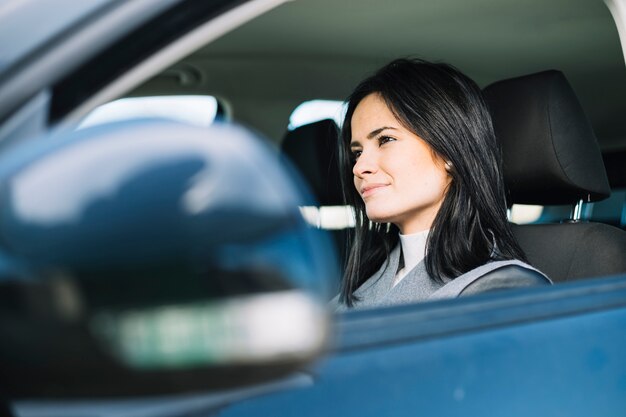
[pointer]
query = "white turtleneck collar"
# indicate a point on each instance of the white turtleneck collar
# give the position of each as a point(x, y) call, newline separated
point(413, 251)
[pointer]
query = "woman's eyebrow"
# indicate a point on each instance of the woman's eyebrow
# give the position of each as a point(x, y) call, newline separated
point(375, 132)
point(372, 135)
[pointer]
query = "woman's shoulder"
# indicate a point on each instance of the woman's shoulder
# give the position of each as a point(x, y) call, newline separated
point(494, 276)
point(376, 287)
point(509, 276)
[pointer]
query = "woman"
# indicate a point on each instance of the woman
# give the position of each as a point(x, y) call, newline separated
point(421, 165)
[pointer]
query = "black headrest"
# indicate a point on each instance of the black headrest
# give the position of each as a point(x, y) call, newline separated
point(313, 150)
point(550, 152)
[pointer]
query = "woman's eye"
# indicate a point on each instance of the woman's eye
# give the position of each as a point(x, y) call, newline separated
point(384, 139)
point(356, 154)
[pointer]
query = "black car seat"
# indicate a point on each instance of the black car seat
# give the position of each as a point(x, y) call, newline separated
point(551, 157)
point(312, 148)
point(615, 163)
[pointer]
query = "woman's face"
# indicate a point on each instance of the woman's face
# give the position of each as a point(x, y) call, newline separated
point(397, 174)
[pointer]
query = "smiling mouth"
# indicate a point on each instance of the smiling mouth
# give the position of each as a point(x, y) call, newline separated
point(371, 189)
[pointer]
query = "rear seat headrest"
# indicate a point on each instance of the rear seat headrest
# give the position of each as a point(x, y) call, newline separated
point(615, 168)
point(550, 151)
point(313, 150)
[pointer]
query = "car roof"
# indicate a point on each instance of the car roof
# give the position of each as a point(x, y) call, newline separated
point(29, 24)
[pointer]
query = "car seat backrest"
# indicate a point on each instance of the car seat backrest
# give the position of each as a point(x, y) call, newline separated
point(615, 163)
point(312, 148)
point(550, 151)
point(551, 156)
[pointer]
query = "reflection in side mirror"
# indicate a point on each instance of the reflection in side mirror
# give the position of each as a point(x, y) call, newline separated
point(153, 257)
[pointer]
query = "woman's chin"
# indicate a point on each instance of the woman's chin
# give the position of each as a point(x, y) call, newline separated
point(378, 217)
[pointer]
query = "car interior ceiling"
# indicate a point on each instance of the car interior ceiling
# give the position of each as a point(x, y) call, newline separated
point(300, 51)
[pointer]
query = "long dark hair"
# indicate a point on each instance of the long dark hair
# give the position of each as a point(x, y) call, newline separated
point(447, 110)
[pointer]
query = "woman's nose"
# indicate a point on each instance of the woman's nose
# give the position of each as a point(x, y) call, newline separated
point(364, 165)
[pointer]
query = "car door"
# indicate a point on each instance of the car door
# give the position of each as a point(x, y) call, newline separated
point(549, 351)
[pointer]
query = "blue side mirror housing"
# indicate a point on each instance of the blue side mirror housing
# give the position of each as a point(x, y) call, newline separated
point(125, 226)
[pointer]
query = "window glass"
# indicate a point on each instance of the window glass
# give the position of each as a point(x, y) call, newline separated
point(329, 217)
point(525, 213)
point(611, 211)
point(196, 110)
point(531, 214)
point(316, 110)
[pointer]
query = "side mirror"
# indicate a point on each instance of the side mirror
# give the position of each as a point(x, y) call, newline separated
point(152, 257)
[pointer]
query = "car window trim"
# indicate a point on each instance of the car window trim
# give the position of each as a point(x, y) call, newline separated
point(366, 329)
point(158, 60)
point(77, 43)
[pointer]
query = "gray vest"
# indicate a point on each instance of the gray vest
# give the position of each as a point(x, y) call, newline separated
point(378, 290)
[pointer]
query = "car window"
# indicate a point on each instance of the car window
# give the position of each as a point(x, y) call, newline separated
point(329, 217)
point(196, 110)
point(611, 210)
point(525, 213)
point(315, 110)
